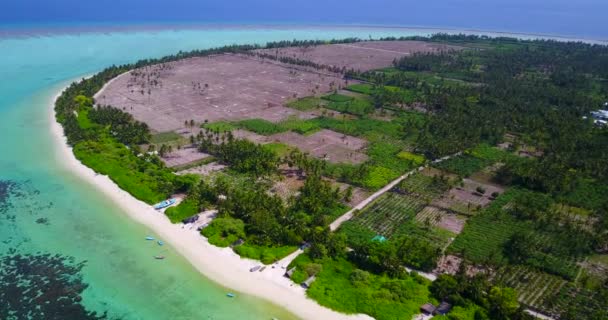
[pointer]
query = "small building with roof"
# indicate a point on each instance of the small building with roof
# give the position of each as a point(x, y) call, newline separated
point(427, 308)
point(443, 308)
point(289, 272)
point(306, 284)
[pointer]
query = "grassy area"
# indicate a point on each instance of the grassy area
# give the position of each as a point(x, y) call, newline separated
point(307, 103)
point(339, 285)
point(346, 104)
point(463, 165)
point(165, 137)
point(416, 159)
point(267, 255)
point(219, 126)
point(223, 232)
point(83, 119)
point(185, 209)
point(300, 126)
point(280, 149)
point(145, 180)
point(261, 126)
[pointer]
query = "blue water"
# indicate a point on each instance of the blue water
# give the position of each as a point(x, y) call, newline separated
point(580, 18)
point(50, 210)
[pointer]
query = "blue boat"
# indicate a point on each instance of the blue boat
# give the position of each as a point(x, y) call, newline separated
point(164, 204)
point(149, 238)
point(160, 243)
point(230, 295)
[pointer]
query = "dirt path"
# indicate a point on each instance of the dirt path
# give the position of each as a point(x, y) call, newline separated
point(348, 215)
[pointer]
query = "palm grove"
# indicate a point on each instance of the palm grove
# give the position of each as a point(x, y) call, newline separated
point(539, 91)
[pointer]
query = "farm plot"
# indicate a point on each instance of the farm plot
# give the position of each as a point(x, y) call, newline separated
point(533, 287)
point(485, 235)
point(183, 156)
point(221, 87)
point(423, 186)
point(442, 219)
point(361, 56)
point(385, 215)
point(326, 144)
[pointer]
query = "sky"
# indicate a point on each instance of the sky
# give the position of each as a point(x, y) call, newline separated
point(584, 18)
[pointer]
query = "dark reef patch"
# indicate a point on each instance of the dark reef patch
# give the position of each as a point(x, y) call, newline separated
point(42, 286)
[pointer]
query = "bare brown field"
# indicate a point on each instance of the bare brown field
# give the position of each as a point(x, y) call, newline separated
point(326, 144)
point(203, 170)
point(361, 56)
point(183, 156)
point(222, 87)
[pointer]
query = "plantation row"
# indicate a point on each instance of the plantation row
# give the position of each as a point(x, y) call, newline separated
point(388, 212)
point(532, 287)
point(423, 186)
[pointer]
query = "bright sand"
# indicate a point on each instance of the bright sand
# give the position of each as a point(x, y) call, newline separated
point(219, 264)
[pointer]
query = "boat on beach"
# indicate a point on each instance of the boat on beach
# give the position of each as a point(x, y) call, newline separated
point(230, 295)
point(165, 204)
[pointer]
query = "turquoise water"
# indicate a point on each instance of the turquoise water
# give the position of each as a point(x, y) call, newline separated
point(49, 210)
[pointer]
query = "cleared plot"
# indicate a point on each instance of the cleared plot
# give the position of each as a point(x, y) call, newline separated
point(222, 87)
point(441, 219)
point(326, 144)
point(424, 186)
point(361, 56)
point(385, 215)
point(532, 287)
point(203, 170)
point(183, 156)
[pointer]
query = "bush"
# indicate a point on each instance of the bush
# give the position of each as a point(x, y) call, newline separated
point(222, 232)
point(185, 209)
point(267, 255)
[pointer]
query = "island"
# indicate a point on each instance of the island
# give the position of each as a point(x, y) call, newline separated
point(449, 176)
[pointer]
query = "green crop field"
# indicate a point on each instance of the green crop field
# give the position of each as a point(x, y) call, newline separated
point(533, 287)
point(385, 214)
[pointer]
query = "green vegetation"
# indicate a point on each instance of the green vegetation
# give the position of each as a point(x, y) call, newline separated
point(223, 232)
point(165, 137)
point(532, 93)
point(219, 126)
point(265, 254)
point(307, 103)
point(341, 286)
point(184, 210)
point(144, 177)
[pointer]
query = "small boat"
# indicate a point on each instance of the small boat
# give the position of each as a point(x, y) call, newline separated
point(254, 269)
point(160, 243)
point(164, 204)
point(149, 238)
point(230, 295)
point(159, 257)
point(262, 268)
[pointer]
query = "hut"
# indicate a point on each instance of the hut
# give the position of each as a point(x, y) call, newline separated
point(443, 308)
point(306, 284)
point(289, 272)
point(427, 308)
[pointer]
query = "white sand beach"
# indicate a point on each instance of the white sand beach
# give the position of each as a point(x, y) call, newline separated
point(219, 264)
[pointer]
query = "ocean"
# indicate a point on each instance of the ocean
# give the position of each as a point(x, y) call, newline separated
point(59, 230)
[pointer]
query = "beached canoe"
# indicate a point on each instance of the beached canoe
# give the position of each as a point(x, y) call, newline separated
point(164, 204)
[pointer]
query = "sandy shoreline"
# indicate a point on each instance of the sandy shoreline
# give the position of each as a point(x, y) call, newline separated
point(218, 264)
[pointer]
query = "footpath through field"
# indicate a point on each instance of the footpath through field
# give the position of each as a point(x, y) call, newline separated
point(348, 215)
